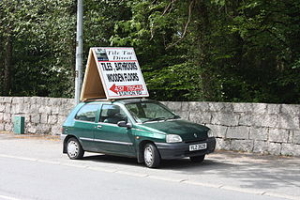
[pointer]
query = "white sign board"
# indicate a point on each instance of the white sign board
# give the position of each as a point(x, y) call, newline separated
point(120, 72)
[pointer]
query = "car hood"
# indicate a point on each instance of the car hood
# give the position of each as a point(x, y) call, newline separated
point(187, 130)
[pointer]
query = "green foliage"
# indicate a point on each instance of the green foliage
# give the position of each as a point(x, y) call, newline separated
point(213, 50)
point(43, 34)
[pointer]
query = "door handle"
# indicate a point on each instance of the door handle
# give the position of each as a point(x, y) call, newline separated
point(99, 126)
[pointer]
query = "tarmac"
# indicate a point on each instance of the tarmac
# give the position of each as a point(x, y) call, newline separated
point(275, 176)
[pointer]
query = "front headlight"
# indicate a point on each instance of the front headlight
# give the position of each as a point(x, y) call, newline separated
point(210, 133)
point(172, 138)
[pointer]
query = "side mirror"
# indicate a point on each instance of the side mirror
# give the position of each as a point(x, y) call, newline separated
point(177, 117)
point(124, 124)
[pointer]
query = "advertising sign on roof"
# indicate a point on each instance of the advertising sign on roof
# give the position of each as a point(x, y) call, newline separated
point(119, 72)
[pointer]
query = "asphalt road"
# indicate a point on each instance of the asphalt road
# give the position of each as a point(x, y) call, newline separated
point(35, 168)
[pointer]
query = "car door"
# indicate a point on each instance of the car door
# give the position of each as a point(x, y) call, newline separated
point(111, 138)
point(85, 124)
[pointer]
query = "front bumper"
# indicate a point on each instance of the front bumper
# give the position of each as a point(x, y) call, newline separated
point(181, 150)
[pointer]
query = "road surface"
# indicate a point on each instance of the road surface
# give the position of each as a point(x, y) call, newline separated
point(35, 168)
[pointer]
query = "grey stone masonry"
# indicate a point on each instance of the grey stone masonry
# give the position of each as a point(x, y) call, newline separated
point(43, 115)
point(248, 127)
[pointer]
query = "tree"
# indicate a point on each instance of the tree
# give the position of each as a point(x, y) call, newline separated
point(38, 36)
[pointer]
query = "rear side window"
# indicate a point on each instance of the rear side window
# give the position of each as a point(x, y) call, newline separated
point(88, 113)
point(112, 114)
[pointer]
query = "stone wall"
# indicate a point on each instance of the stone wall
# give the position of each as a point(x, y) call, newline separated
point(249, 127)
point(42, 115)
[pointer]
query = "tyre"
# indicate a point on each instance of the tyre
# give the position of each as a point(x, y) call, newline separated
point(74, 149)
point(197, 159)
point(151, 156)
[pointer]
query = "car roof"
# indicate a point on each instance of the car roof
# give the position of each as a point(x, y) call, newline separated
point(122, 101)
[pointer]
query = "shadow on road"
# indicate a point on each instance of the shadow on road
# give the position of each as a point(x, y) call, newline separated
point(251, 172)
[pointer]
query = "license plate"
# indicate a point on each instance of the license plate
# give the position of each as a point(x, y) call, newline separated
point(196, 147)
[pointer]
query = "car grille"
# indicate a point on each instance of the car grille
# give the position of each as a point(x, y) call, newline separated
point(193, 141)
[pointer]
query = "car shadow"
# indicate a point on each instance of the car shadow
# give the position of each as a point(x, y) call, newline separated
point(251, 172)
point(112, 159)
point(179, 164)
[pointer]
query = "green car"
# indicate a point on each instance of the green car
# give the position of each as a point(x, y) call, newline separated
point(140, 128)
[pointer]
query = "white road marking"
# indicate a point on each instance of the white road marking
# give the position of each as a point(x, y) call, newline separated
point(8, 198)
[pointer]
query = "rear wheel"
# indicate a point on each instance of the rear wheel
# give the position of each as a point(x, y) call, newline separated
point(74, 149)
point(151, 156)
point(197, 159)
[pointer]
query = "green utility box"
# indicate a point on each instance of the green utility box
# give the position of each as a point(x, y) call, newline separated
point(19, 124)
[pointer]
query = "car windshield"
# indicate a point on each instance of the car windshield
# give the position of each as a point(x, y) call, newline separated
point(144, 112)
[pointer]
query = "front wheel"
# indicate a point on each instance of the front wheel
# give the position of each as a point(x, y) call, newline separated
point(197, 159)
point(74, 149)
point(151, 156)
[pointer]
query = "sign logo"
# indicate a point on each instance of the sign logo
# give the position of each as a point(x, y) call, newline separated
point(195, 135)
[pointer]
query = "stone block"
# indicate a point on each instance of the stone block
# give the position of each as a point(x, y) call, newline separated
point(240, 132)
point(31, 128)
point(199, 106)
point(55, 130)
point(287, 122)
point(60, 120)
point(265, 120)
point(7, 100)
point(200, 117)
point(35, 118)
point(65, 101)
point(278, 135)
point(218, 130)
point(223, 144)
point(2, 125)
point(185, 106)
point(52, 119)
point(273, 109)
point(220, 107)
point(7, 117)
point(259, 108)
point(54, 102)
point(242, 107)
point(294, 137)
point(184, 115)
point(43, 129)
point(17, 100)
point(17, 109)
point(8, 108)
point(34, 100)
point(274, 148)
point(290, 150)
point(289, 109)
point(260, 147)
point(260, 134)
point(44, 118)
point(242, 145)
point(174, 105)
point(34, 108)
point(55, 110)
point(246, 119)
point(25, 108)
point(8, 127)
point(225, 118)
point(2, 107)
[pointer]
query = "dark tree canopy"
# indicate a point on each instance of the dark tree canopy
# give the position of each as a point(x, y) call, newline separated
point(211, 50)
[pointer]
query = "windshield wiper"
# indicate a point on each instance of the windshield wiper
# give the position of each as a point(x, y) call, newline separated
point(155, 119)
point(174, 117)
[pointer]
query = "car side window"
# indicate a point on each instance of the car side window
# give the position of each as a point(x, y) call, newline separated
point(87, 113)
point(112, 114)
